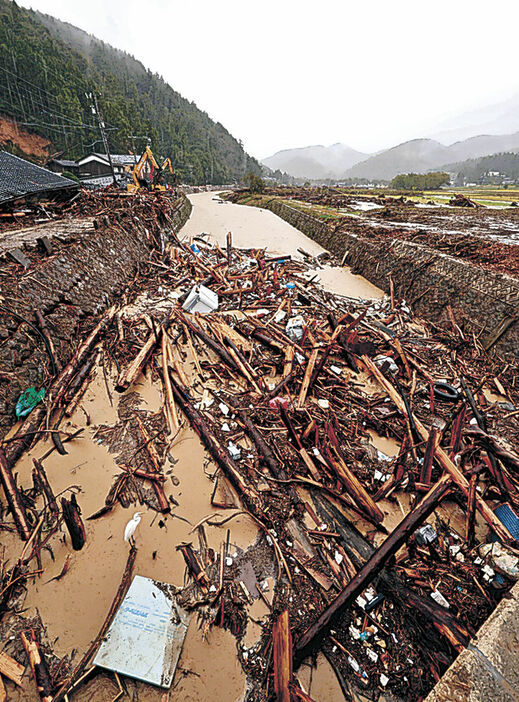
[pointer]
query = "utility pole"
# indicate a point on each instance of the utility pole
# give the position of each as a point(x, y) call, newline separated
point(102, 129)
point(135, 136)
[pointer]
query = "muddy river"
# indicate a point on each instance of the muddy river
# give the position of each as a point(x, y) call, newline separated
point(74, 607)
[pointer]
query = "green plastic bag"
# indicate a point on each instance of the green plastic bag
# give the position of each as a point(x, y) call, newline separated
point(28, 401)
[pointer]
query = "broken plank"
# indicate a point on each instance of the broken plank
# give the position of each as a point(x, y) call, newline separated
point(282, 640)
point(11, 669)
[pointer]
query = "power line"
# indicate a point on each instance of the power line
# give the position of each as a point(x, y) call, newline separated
point(38, 97)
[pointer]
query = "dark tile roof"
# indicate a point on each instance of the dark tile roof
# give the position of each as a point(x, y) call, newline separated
point(19, 177)
point(119, 159)
point(64, 162)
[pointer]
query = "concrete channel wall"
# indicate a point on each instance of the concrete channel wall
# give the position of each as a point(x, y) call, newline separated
point(88, 270)
point(484, 303)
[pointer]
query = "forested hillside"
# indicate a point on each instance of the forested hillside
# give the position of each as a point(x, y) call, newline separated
point(479, 170)
point(48, 69)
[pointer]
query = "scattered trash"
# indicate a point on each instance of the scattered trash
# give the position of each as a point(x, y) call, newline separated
point(201, 299)
point(28, 401)
point(146, 635)
point(440, 599)
point(445, 392)
point(509, 518)
point(285, 395)
point(234, 451)
point(294, 328)
point(425, 535)
point(501, 558)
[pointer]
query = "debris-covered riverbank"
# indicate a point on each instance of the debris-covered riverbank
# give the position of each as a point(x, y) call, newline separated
point(482, 236)
point(345, 502)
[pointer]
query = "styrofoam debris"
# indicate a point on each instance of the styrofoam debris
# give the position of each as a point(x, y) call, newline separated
point(234, 451)
point(440, 599)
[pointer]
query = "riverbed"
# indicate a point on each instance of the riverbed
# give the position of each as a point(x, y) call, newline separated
point(253, 227)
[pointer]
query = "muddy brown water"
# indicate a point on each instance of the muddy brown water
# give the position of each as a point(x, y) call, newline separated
point(253, 227)
point(73, 608)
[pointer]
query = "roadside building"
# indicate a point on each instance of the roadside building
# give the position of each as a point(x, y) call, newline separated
point(58, 165)
point(96, 164)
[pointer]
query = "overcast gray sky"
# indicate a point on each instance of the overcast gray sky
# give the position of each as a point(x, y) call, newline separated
point(285, 73)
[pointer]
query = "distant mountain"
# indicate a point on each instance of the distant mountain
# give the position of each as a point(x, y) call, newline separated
point(484, 145)
point(421, 155)
point(499, 118)
point(416, 156)
point(315, 162)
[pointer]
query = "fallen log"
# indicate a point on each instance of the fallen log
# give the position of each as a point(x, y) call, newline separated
point(50, 344)
point(282, 645)
point(171, 413)
point(209, 341)
point(296, 441)
point(471, 511)
point(195, 567)
point(246, 369)
point(313, 636)
point(354, 487)
point(79, 385)
point(40, 477)
point(13, 498)
point(128, 375)
point(430, 450)
point(56, 391)
point(11, 669)
point(263, 449)
point(491, 443)
point(39, 667)
point(214, 447)
point(319, 367)
point(305, 385)
point(72, 518)
point(229, 248)
point(155, 459)
point(390, 582)
point(350, 481)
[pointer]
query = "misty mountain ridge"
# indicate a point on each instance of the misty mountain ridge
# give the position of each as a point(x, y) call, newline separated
point(315, 162)
point(414, 156)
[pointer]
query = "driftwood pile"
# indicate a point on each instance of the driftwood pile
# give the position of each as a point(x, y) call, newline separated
point(285, 384)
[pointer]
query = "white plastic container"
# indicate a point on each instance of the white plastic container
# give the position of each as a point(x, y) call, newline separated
point(201, 299)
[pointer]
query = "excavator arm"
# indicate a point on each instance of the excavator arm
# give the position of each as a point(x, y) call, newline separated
point(156, 172)
point(147, 157)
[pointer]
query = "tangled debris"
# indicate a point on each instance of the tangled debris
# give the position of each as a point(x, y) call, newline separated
point(387, 564)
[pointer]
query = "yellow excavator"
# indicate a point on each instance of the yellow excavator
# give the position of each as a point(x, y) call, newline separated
point(148, 174)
